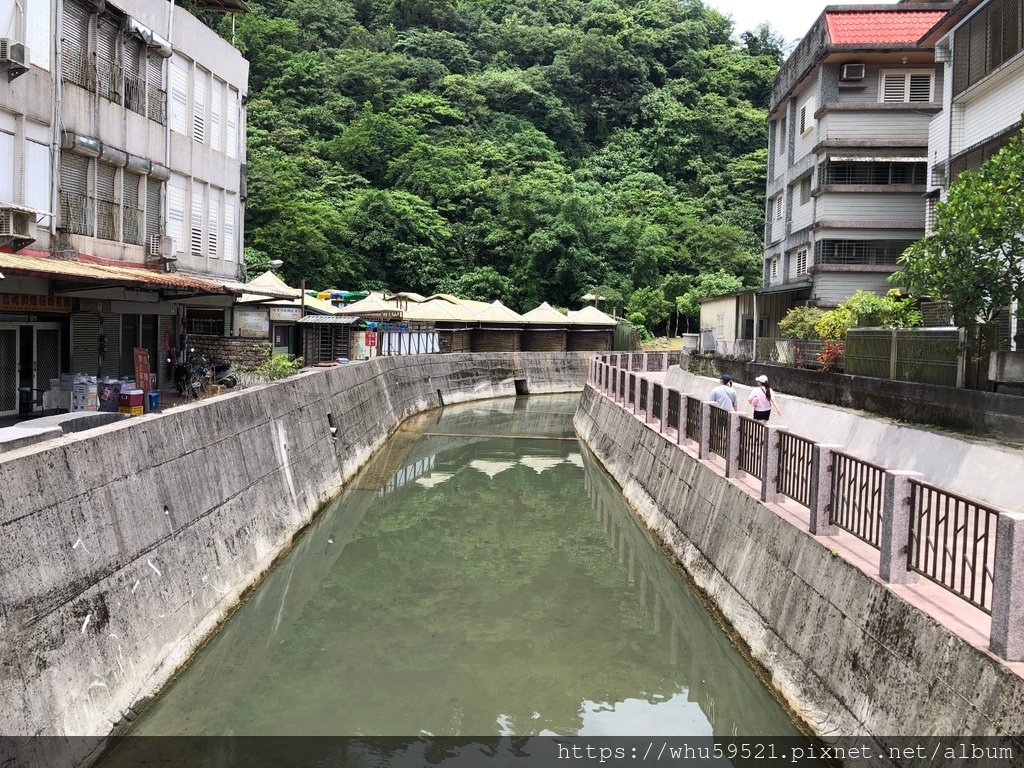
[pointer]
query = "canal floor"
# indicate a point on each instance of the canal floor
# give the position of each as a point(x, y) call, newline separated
point(481, 576)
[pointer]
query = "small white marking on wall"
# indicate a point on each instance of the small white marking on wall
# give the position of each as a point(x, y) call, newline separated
point(78, 544)
point(135, 586)
point(86, 623)
point(155, 569)
point(98, 684)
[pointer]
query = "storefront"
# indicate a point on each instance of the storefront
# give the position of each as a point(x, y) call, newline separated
point(33, 344)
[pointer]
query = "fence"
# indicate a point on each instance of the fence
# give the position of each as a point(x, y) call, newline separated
point(924, 355)
point(918, 527)
point(797, 352)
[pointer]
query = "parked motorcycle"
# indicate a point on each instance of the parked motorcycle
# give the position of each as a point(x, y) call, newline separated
point(196, 373)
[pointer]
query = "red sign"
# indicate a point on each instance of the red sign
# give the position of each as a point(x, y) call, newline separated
point(26, 304)
point(142, 369)
point(371, 339)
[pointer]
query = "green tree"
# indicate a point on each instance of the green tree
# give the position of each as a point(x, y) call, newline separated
point(706, 286)
point(974, 256)
point(801, 323)
point(890, 311)
point(649, 306)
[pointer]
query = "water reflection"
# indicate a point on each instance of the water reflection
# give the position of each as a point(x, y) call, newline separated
point(481, 577)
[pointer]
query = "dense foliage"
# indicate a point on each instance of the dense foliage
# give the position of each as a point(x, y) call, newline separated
point(525, 150)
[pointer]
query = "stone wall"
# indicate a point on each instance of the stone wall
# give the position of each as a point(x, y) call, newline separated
point(848, 654)
point(125, 546)
point(240, 352)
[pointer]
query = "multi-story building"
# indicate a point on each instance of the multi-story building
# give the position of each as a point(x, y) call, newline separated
point(122, 185)
point(981, 45)
point(847, 168)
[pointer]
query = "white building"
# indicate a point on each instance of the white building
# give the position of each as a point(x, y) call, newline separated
point(122, 185)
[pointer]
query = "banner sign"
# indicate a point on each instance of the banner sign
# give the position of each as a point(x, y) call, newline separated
point(285, 314)
point(25, 304)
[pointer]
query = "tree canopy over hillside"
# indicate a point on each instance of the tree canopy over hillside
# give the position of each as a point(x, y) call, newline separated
point(525, 150)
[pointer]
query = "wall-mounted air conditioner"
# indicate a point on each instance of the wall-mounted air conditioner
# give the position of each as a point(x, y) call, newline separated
point(852, 72)
point(162, 247)
point(17, 227)
point(14, 57)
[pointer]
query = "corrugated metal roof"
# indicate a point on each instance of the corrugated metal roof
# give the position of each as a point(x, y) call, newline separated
point(591, 316)
point(880, 27)
point(328, 320)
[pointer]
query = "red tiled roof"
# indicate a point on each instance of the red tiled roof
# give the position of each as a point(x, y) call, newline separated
point(880, 27)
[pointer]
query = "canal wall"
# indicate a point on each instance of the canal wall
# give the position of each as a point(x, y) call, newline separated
point(849, 655)
point(126, 545)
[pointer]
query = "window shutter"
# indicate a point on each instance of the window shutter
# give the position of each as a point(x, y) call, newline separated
point(216, 99)
point(153, 188)
point(199, 108)
point(894, 87)
point(232, 124)
point(921, 87)
point(229, 229)
point(779, 206)
point(106, 176)
point(197, 220)
point(213, 224)
point(176, 216)
point(179, 97)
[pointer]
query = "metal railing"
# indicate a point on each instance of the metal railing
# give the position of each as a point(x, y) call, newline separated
point(674, 398)
point(719, 444)
point(156, 100)
point(693, 418)
point(108, 78)
point(953, 542)
point(77, 215)
point(857, 497)
point(945, 537)
point(108, 217)
point(132, 222)
point(135, 93)
point(76, 66)
point(795, 456)
point(752, 437)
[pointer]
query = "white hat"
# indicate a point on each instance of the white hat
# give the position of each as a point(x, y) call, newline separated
point(761, 379)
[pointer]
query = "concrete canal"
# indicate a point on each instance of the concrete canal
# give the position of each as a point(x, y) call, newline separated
point(480, 576)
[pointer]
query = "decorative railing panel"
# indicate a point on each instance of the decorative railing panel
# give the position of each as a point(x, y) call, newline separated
point(693, 418)
point(752, 437)
point(856, 498)
point(795, 461)
point(719, 431)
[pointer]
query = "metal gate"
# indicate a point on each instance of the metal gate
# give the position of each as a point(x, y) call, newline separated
point(9, 360)
point(47, 351)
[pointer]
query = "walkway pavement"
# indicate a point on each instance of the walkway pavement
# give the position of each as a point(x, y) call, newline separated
point(968, 622)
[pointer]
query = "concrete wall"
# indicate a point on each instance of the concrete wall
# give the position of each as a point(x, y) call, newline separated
point(983, 470)
point(848, 654)
point(125, 546)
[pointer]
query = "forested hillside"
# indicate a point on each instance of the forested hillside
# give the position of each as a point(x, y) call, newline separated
point(525, 150)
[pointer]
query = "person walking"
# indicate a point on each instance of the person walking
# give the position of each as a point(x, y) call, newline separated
point(761, 399)
point(724, 396)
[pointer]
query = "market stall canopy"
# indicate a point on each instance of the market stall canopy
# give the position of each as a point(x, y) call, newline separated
point(545, 314)
point(373, 307)
point(591, 316)
point(125, 276)
point(470, 304)
point(416, 298)
point(438, 311)
point(498, 314)
point(270, 280)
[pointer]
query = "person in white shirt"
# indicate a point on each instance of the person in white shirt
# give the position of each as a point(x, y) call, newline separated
point(724, 396)
point(761, 399)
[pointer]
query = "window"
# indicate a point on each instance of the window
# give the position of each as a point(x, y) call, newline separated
point(179, 96)
point(861, 252)
point(229, 228)
point(872, 172)
point(176, 213)
point(205, 322)
point(231, 137)
point(992, 37)
point(775, 267)
point(779, 207)
point(213, 224)
point(196, 236)
point(929, 216)
point(782, 138)
point(216, 106)
point(805, 190)
point(807, 116)
point(801, 261)
point(906, 86)
point(199, 107)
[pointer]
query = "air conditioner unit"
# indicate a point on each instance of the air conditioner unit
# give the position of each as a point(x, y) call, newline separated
point(852, 72)
point(17, 227)
point(14, 57)
point(162, 247)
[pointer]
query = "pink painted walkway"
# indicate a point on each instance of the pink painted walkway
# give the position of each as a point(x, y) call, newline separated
point(970, 623)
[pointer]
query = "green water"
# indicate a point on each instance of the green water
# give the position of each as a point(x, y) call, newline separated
point(482, 576)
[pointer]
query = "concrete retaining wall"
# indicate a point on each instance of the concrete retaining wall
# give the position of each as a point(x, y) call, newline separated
point(984, 470)
point(126, 545)
point(849, 655)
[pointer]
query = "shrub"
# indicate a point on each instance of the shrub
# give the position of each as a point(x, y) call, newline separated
point(890, 311)
point(800, 322)
point(273, 368)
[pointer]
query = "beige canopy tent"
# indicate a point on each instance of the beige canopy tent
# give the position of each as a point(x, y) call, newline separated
point(500, 329)
point(545, 330)
point(590, 330)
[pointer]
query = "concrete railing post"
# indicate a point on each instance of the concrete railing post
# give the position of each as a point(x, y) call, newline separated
point(732, 446)
point(681, 426)
point(623, 384)
point(664, 362)
point(704, 443)
point(770, 458)
point(895, 535)
point(1007, 637)
point(821, 489)
point(643, 363)
point(634, 388)
point(649, 410)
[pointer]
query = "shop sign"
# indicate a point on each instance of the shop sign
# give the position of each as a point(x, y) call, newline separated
point(285, 314)
point(27, 304)
point(252, 324)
